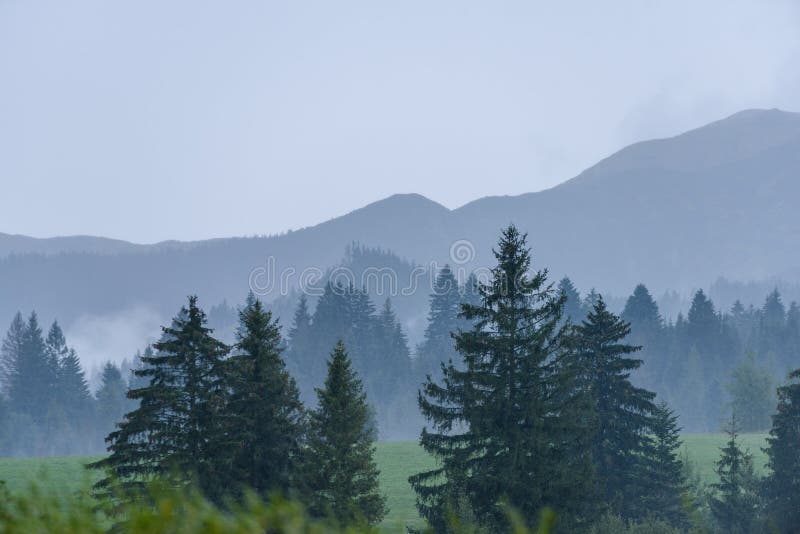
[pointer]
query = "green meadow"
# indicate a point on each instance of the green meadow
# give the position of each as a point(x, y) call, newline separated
point(397, 460)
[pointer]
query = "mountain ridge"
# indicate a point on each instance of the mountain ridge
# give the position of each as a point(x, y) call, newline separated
point(674, 213)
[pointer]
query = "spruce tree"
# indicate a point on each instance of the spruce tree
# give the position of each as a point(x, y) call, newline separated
point(176, 429)
point(111, 399)
point(438, 345)
point(573, 309)
point(11, 351)
point(735, 502)
point(783, 458)
point(73, 390)
point(621, 412)
point(663, 477)
point(340, 475)
point(497, 420)
point(34, 375)
point(264, 416)
point(300, 350)
point(647, 331)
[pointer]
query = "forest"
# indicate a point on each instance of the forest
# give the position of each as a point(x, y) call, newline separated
point(530, 397)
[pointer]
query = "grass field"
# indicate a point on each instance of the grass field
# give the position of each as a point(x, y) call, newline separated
point(397, 460)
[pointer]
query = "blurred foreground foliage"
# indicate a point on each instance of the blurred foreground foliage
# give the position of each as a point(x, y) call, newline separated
point(168, 511)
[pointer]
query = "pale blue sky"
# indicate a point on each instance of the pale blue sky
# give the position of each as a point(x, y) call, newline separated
point(154, 120)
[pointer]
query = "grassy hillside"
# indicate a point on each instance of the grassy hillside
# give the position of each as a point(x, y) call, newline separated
point(397, 460)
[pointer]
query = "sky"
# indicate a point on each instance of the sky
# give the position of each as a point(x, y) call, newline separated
point(154, 120)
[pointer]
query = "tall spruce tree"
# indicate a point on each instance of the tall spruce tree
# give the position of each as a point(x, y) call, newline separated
point(264, 415)
point(111, 399)
point(498, 423)
point(663, 478)
point(31, 384)
point(176, 430)
point(783, 459)
point(73, 390)
point(300, 349)
point(735, 502)
point(340, 475)
point(621, 412)
point(438, 345)
point(647, 331)
point(11, 351)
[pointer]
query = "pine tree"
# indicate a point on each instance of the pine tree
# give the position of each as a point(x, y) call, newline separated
point(497, 420)
point(31, 384)
point(111, 399)
point(663, 477)
point(264, 416)
point(340, 475)
point(783, 458)
point(622, 412)
point(56, 345)
point(735, 503)
point(647, 331)
point(391, 355)
point(73, 390)
point(176, 429)
point(573, 309)
point(11, 351)
point(300, 352)
point(438, 345)
point(703, 322)
point(70, 392)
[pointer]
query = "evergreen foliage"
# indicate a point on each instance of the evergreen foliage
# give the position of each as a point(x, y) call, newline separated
point(664, 491)
point(111, 398)
point(264, 416)
point(621, 412)
point(783, 452)
point(496, 423)
point(176, 431)
point(340, 475)
point(735, 502)
point(438, 345)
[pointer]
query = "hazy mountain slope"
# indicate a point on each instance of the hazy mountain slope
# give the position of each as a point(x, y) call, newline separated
point(674, 213)
point(21, 244)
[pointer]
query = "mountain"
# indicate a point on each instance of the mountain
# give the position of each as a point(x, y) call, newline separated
point(674, 213)
point(15, 244)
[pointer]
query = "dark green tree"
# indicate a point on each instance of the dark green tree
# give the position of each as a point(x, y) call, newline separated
point(264, 415)
point(735, 502)
point(176, 430)
point(340, 475)
point(499, 422)
point(622, 413)
point(783, 459)
point(664, 475)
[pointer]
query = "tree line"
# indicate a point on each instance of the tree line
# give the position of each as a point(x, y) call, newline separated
point(525, 408)
point(46, 407)
point(709, 361)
